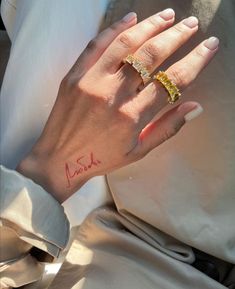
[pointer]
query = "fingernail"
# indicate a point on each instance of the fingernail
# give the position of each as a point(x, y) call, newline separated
point(129, 17)
point(195, 112)
point(212, 43)
point(191, 22)
point(167, 14)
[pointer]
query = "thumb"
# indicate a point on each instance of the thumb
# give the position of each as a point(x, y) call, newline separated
point(166, 127)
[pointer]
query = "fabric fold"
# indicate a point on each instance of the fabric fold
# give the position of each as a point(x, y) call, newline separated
point(32, 212)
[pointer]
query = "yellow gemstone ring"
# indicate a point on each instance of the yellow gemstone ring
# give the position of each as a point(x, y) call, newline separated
point(171, 88)
point(139, 67)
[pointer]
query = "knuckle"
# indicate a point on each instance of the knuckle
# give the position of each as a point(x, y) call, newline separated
point(179, 29)
point(152, 50)
point(200, 52)
point(169, 133)
point(81, 87)
point(179, 76)
point(126, 40)
point(172, 130)
point(92, 44)
point(96, 96)
point(137, 155)
point(153, 21)
point(66, 83)
point(114, 27)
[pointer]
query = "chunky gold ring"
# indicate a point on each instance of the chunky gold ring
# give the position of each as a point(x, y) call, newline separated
point(139, 67)
point(171, 88)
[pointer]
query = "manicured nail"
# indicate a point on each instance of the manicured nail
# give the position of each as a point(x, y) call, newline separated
point(212, 43)
point(195, 112)
point(129, 17)
point(167, 14)
point(191, 22)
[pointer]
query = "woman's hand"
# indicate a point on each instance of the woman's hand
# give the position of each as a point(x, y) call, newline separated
point(102, 118)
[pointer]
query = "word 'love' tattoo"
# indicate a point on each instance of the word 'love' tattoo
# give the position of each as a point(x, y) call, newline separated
point(82, 165)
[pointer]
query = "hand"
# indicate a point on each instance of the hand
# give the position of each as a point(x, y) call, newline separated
point(102, 118)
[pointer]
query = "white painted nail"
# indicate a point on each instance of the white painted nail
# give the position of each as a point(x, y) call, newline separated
point(167, 14)
point(191, 22)
point(129, 17)
point(193, 113)
point(212, 43)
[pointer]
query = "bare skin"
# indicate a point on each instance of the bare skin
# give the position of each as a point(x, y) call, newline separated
point(102, 120)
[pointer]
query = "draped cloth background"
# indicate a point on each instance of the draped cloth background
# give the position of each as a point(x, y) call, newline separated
point(180, 196)
point(186, 187)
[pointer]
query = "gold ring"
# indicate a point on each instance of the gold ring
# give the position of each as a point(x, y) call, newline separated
point(139, 67)
point(171, 88)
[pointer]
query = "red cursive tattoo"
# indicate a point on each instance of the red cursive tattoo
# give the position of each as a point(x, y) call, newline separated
point(82, 165)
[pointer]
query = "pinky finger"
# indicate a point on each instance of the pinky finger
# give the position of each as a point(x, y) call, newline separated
point(98, 45)
point(167, 126)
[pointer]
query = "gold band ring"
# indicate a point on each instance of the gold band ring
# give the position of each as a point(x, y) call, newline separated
point(171, 88)
point(139, 67)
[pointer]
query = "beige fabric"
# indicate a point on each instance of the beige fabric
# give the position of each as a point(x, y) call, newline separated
point(29, 217)
point(186, 187)
point(23, 271)
point(111, 252)
point(173, 199)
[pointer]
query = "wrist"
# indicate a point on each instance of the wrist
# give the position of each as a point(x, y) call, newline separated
point(49, 174)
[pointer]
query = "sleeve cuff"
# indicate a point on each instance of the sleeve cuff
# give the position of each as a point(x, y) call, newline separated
point(32, 213)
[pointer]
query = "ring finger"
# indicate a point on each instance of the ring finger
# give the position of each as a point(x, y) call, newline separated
point(156, 50)
point(153, 97)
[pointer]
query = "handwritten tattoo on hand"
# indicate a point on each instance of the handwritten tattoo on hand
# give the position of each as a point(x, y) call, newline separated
point(82, 165)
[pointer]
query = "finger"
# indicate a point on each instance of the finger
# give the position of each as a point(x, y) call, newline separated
point(166, 127)
point(154, 97)
point(131, 39)
point(156, 50)
point(187, 69)
point(97, 46)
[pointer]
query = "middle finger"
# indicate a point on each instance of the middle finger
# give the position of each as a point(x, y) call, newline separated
point(156, 50)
